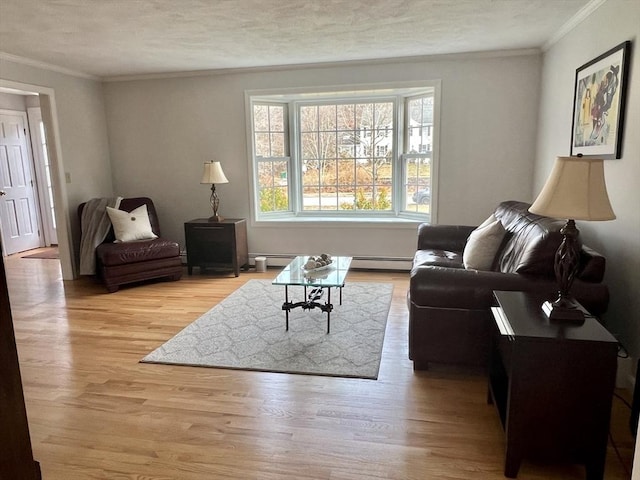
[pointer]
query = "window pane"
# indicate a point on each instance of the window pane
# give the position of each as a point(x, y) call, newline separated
point(329, 198)
point(263, 147)
point(364, 116)
point(364, 173)
point(327, 145)
point(276, 118)
point(346, 173)
point(261, 118)
point(346, 200)
point(265, 174)
point(327, 117)
point(347, 144)
point(273, 184)
point(274, 199)
point(383, 116)
point(309, 145)
point(308, 119)
point(418, 185)
point(280, 174)
point(270, 135)
point(310, 198)
point(420, 124)
point(277, 145)
point(382, 198)
point(346, 117)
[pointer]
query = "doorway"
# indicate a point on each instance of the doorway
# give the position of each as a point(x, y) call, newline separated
point(59, 198)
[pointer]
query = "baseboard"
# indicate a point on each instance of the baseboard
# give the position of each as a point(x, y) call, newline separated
point(358, 262)
point(365, 263)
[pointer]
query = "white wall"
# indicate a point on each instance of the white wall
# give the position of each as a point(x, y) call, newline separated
point(619, 240)
point(162, 130)
point(83, 132)
point(9, 101)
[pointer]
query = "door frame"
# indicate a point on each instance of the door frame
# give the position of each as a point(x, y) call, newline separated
point(60, 197)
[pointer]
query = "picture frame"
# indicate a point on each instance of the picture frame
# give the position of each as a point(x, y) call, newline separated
point(599, 103)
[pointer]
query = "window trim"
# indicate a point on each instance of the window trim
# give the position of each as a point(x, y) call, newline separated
point(292, 98)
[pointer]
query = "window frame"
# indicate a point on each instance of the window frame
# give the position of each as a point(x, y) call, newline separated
point(293, 99)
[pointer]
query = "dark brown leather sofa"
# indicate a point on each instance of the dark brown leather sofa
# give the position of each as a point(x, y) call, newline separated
point(449, 306)
point(121, 263)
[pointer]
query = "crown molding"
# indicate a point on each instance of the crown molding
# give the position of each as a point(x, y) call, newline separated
point(573, 22)
point(304, 66)
point(46, 66)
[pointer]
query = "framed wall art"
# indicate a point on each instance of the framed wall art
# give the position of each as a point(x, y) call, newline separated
point(598, 104)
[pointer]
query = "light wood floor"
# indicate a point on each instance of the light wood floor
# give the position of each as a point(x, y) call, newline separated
point(96, 413)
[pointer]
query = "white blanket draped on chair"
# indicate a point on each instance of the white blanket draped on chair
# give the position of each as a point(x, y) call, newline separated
point(95, 225)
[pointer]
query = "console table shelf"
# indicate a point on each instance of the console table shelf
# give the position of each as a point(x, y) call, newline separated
point(552, 384)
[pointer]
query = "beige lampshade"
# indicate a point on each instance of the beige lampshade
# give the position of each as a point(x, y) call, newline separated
point(575, 190)
point(213, 173)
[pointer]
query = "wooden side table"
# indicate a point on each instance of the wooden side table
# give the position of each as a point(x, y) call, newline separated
point(552, 384)
point(217, 244)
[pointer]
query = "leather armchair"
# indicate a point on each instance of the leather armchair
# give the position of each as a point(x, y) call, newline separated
point(128, 262)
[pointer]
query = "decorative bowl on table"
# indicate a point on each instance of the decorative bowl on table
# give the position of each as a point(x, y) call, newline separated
point(318, 263)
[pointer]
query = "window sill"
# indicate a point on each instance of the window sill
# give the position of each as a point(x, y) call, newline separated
point(340, 222)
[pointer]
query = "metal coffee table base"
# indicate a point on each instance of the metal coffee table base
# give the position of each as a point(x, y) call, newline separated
point(310, 302)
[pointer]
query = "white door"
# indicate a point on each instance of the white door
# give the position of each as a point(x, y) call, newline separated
point(18, 214)
point(43, 175)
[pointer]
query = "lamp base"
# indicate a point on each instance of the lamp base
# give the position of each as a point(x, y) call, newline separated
point(216, 218)
point(563, 311)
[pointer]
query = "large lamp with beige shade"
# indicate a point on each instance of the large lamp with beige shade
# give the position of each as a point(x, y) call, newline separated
point(575, 190)
point(213, 174)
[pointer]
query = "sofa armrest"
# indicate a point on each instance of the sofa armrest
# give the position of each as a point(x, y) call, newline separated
point(459, 288)
point(443, 237)
point(592, 265)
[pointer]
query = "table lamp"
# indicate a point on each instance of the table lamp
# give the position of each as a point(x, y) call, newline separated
point(575, 190)
point(213, 174)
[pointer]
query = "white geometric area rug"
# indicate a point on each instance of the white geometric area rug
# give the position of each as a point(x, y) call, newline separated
point(247, 331)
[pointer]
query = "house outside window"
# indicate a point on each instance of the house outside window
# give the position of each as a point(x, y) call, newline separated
point(357, 155)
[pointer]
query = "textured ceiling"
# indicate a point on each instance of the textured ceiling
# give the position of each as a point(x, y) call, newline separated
point(109, 38)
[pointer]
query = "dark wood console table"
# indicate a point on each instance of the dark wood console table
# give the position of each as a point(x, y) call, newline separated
point(552, 384)
point(217, 244)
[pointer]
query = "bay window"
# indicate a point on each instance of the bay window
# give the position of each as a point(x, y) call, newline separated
point(358, 155)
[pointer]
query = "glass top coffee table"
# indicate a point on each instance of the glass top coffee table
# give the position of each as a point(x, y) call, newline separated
point(319, 280)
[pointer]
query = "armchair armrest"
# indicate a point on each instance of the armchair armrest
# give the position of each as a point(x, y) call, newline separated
point(443, 237)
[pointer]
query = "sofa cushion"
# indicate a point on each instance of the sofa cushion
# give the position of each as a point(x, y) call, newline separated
point(532, 240)
point(111, 254)
point(483, 245)
point(129, 226)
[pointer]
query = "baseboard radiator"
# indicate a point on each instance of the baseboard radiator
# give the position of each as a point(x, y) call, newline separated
point(358, 262)
point(402, 264)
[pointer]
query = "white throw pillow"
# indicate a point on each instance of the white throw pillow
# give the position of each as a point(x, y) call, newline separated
point(482, 246)
point(488, 221)
point(129, 226)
